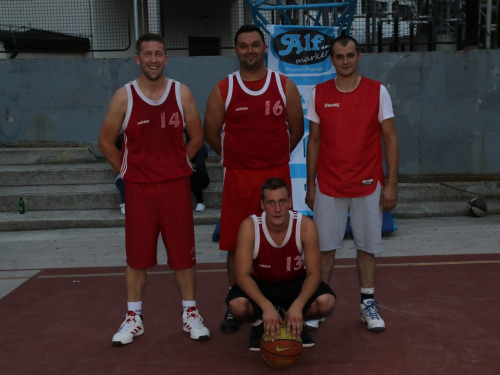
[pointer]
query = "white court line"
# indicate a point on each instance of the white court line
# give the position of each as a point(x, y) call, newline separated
point(224, 270)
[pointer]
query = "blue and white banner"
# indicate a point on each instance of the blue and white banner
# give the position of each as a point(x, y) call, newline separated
point(303, 55)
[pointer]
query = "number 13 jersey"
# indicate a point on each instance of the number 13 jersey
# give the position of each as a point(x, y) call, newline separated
point(277, 263)
point(255, 131)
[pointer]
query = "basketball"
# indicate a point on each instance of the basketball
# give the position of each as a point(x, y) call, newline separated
point(283, 352)
point(476, 207)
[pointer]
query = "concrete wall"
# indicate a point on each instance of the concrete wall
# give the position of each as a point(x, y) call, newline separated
point(447, 104)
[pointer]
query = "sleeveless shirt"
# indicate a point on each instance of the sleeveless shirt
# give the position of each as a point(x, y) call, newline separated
point(255, 131)
point(277, 263)
point(350, 147)
point(153, 150)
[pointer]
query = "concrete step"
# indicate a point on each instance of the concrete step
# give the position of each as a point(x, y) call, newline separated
point(55, 174)
point(105, 195)
point(79, 197)
point(215, 171)
point(71, 174)
point(416, 210)
point(44, 220)
point(446, 191)
point(46, 155)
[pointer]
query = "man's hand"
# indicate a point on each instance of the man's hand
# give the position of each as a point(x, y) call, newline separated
point(389, 198)
point(272, 321)
point(310, 196)
point(294, 321)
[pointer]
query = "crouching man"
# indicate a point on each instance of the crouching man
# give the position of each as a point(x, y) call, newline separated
point(273, 284)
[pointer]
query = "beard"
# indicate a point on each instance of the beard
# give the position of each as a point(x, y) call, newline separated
point(257, 62)
point(151, 77)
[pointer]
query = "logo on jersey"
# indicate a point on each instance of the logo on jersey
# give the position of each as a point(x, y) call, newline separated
point(241, 109)
point(330, 105)
point(367, 182)
point(264, 266)
point(143, 122)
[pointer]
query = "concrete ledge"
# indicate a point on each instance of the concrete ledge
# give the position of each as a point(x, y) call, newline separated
point(447, 191)
point(79, 197)
point(55, 174)
point(46, 155)
point(44, 220)
point(418, 210)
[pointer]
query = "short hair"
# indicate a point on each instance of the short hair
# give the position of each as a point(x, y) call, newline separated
point(149, 37)
point(274, 183)
point(343, 40)
point(248, 29)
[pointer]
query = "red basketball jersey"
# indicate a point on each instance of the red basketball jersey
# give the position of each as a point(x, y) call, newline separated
point(277, 263)
point(152, 149)
point(350, 148)
point(255, 131)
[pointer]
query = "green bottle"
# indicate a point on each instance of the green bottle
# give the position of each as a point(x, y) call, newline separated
point(21, 206)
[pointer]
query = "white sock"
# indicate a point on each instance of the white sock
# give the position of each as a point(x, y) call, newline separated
point(256, 323)
point(136, 307)
point(187, 304)
point(367, 290)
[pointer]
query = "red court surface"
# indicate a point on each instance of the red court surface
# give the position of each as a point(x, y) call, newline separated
point(441, 314)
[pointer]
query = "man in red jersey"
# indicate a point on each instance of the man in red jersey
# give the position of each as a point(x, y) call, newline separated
point(153, 111)
point(253, 119)
point(349, 116)
point(270, 275)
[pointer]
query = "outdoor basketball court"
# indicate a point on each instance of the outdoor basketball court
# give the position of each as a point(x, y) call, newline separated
point(441, 314)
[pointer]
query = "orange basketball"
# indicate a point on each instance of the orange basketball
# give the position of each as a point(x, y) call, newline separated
point(283, 352)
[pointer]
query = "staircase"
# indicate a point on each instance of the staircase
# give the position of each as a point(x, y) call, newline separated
point(69, 187)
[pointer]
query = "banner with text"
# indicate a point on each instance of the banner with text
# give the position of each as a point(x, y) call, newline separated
point(303, 55)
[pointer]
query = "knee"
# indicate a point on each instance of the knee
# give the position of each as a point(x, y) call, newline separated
point(240, 307)
point(328, 255)
point(364, 255)
point(325, 304)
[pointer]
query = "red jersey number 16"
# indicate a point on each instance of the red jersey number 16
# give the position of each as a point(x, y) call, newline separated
point(277, 108)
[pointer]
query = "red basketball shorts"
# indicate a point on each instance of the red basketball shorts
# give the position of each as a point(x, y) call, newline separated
point(165, 208)
point(241, 198)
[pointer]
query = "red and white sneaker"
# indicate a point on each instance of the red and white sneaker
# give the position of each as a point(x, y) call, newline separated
point(193, 323)
point(130, 328)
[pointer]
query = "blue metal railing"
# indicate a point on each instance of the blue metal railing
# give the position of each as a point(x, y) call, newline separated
point(343, 22)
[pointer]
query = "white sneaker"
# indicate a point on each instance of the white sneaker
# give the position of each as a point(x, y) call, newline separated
point(200, 207)
point(130, 328)
point(313, 324)
point(370, 315)
point(122, 208)
point(193, 323)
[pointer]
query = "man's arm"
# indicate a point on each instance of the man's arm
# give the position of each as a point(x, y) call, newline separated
point(193, 122)
point(243, 271)
point(389, 197)
point(312, 162)
point(111, 128)
point(294, 114)
point(309, 237)
point(214, 118)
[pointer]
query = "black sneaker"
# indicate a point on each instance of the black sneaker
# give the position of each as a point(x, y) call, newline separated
point(254, 338)
point(307, 340)
point(229, 324)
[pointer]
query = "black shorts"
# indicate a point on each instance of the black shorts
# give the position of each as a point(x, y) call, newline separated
point(279, 294)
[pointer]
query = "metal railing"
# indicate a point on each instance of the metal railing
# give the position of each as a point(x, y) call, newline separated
point(206, 27)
